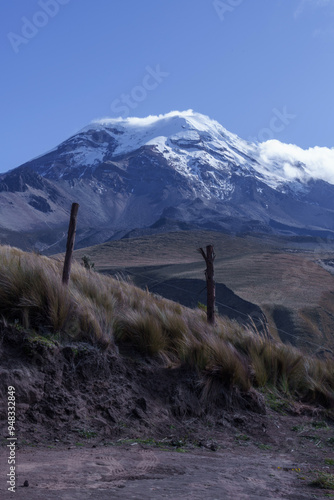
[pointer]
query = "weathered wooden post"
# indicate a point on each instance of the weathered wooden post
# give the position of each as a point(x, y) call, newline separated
point(70, 243)
point(209, 258)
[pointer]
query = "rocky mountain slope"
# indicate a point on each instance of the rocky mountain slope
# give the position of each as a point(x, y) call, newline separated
point(179, 170)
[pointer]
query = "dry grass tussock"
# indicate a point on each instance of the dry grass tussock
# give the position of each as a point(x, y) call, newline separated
point(102, 310)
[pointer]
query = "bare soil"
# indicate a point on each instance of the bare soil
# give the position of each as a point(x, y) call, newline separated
point(120, 425)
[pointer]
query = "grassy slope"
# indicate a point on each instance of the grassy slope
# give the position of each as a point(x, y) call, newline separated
point(282, 276)
point(102, 311)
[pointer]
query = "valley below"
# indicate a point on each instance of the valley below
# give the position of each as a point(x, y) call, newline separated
point(283, 283)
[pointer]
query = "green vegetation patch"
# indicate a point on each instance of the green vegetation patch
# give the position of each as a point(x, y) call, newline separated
point(320, 425)
point(242, 437)
point(86, 433)
point(324, 480)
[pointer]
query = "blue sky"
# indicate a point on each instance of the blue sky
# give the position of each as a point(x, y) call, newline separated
point(262, 68)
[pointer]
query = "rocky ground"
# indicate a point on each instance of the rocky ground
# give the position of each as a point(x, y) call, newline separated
point(120, 425)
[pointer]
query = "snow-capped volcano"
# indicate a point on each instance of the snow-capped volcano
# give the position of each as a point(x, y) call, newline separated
point(187, 138)
point(272, 161)
point(180, 137)
point(187, 127)
point(163, 171)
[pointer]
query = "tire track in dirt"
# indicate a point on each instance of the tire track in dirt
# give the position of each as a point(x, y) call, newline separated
point(142, 474)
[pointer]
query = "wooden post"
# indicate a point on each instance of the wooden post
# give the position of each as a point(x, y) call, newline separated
point(209, 257)
point(70, 243)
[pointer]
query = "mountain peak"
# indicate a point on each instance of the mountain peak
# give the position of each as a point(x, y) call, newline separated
point(189, 116)
point(275, 162)
point(183, 167)
point(134, 132)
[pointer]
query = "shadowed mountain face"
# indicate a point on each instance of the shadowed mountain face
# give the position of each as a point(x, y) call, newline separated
point(191, 293)
point(179, 171)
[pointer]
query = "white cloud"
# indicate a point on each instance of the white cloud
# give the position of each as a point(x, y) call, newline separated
point(318, 162)
point(148, 120)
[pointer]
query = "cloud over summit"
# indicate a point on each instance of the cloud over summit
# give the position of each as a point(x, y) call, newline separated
point(317, 162)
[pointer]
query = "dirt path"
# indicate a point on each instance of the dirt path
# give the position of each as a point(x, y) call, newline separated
point(139, 472)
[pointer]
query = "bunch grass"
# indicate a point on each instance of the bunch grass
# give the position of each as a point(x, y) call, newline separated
point(103, 311)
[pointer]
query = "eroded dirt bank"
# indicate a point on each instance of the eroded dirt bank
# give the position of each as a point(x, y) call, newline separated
point(120, 425)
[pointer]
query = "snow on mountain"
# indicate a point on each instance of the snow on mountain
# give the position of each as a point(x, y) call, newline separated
point(183, 168)
point(196, 147)
point(186, 138)
point(180, 128)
